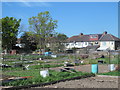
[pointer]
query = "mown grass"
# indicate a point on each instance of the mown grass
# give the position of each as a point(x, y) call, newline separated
point(37, 79)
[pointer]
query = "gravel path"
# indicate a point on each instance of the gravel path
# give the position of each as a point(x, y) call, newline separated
point(92, 82)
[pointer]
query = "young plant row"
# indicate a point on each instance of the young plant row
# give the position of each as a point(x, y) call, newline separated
point(37, 79)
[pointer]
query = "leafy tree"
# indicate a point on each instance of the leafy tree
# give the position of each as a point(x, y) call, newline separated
point(0, 36)
point(43, 26)
point(56, 42)
point(61, 37)
point(10, 26)
point(29, 40)
point(61, 40)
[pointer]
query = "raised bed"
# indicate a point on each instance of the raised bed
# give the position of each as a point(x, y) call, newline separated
point(49, 83)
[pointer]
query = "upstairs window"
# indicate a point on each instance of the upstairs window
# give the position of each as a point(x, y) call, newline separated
point(85, 43)
point(111, 43)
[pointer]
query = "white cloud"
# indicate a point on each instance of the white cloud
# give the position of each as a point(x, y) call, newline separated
point(26, 4)
point(23, 3)
point(35, 4)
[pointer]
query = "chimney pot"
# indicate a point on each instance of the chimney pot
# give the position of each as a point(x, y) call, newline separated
point(81, 34)
point(105, 33)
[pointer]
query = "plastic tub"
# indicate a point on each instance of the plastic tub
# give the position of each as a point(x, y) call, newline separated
point(112, 67)
point(44, 73)
point(94, 68)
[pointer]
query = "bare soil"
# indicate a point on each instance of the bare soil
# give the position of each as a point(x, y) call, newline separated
point(102, 68)
point(92, 82)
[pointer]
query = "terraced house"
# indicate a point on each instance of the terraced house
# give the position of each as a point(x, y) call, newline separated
point(104, 41)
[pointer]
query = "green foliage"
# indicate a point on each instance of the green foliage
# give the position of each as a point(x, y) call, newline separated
point(28, 57)
point(62, 37)
point(45, 66)
point(10, 26)
point(113, 73)
point(29, 40)
point(114, 60)
point(8, 56)
point(12, 69)
point(34, 71)
point(42, 25)
point(56, 42)
point(37, 79)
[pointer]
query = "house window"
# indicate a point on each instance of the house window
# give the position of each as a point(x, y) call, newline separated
point(85, 43)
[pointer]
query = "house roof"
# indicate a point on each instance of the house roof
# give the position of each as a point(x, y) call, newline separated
point(78, 38)
point(86, 38)
point(109, 37)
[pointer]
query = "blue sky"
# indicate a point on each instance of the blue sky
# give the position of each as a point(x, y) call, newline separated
point(73, 17)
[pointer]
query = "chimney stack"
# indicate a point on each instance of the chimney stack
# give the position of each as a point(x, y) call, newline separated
point(104, 32)
point(81, 34)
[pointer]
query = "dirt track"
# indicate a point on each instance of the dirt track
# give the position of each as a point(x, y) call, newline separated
point(92, 82)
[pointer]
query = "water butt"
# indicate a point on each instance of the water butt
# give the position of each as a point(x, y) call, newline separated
point(112, 67)
point(44, 73)
point(94, 68)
